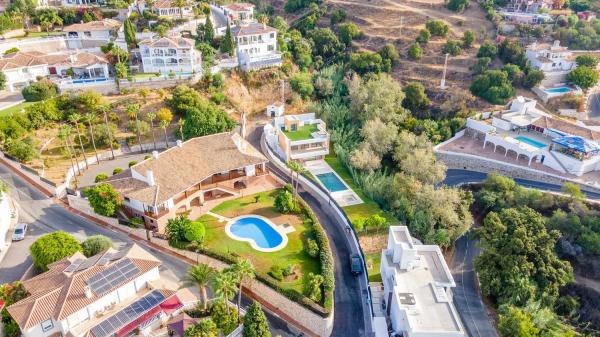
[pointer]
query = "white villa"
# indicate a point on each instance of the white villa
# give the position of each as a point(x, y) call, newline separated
point(256, 46)
point(300, 137)
point(113, 293)
point(168, 9)
point(170, 54)
point(103, 30)
point(275, 109)
point(523, 131)
point(239, 12)
point(81, 3)
point(417, 288)
point(65, 68)
point(555, 61)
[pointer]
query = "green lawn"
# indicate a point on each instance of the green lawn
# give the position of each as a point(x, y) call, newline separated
point(217, 240)
point(16, 108)
point(304, 132)
point(144, 75)
point(373, 264)
point(32, 35)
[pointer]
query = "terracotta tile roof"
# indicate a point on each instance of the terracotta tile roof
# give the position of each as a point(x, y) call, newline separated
point(105, 24)
point(79, 59)
point(564, 126)
point(173, 42)
point(252, 28)
point(57, 293)
point(178, 168)
point(165, 4)
point(21, 60)
point(239, 7)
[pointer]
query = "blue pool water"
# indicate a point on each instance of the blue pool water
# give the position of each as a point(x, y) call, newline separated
point(257, 230)
point(332, 182)
point(530, 141)
point(559, 90)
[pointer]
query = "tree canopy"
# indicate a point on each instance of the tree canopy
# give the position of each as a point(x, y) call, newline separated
point(52, 247)
point(104, 199)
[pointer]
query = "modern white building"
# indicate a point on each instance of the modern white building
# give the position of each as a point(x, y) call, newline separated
point(525, 132)
point(170, 54)
point(554, 60)
point(168, 8)
point(275, 109)
point(110, 294)
point(417, 288)
point(256, 46)
point(300, 137)
point(239, 12)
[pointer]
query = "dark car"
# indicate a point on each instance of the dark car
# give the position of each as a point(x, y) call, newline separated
point(356, 266)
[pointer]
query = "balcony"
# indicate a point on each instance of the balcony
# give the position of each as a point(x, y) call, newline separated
point(217, 178)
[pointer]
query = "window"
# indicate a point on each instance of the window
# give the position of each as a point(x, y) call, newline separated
point(270, 47)
point(47, 325)
point(87, 34)
point(272, 35)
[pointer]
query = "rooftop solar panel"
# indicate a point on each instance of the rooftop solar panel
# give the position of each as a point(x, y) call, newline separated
point(103, 282)
point(130, 313)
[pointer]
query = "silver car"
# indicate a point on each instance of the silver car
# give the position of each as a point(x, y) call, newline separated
point(20, 232)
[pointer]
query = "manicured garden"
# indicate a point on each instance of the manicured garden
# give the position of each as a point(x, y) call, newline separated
point(303, 132)
point(292, 255)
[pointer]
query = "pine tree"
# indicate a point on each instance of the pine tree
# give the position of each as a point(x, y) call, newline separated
point(255, 322)
point(209, 30)
point(227, 44)
point(129, 33)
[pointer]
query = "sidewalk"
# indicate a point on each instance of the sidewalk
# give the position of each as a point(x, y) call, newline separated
point(13, 222)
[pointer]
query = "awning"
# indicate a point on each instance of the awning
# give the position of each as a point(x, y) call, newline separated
point(558, 132)
point(171, 304)
point(136, 323)
point(577, 143)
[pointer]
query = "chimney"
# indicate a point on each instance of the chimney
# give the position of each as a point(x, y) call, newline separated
point(556, 43)
point(150, 178)
point(88, 292)
point(155, 154)
point(179, 143)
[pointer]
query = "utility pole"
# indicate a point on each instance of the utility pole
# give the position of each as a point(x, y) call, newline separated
point(282, 90)
point(443, 82)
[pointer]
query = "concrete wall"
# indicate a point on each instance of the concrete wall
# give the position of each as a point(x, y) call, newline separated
point(83, 206)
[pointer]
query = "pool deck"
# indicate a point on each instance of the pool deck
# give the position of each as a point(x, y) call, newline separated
point(344, 198)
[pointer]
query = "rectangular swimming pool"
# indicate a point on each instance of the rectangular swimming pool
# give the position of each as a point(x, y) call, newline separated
point(332, 182)
point(530, 141)
point(559, 90)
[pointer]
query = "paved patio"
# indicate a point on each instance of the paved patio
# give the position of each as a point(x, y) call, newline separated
point(472, 146)
point(344, 198)
point(107, 166)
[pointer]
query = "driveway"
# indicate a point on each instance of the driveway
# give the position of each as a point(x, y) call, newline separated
point(44, 216)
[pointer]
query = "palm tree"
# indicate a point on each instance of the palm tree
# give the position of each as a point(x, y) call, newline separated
point(244, 271)
point(224, 286)
point(298, 169)
point(181, 122)
point(104, 109)
point(151, 117)
point(164, 124)
point(180, 4)
point(64, 134)
point(132, 113)
point(200, 275)
point(90, 118)
point(75, 118)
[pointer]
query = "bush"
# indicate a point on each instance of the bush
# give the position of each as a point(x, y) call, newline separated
point(313, 287)
point(177, 229)
point(457, 5)
point(39, 91)
point(368, 62)
point(487, 49)
point(284, 202)
point(136, 222)
point(468, 39)
point(587, 60)
point(95, 244)
point(302, 84)
point(423, 37)
point(131, 163)
point(493, 86)
point(583, 76)
point(100, 177)
point(289, 270)
point(218, 97)
point(338, 15)
point(452, 47)
point(226, 320)
point(312, 248)
point(194, 231)
point(276, 272)
point(104, 199)
point(255, 322)
point(415, 52)
point(437, 28)
point(22, 150)
point(117, 170)
point(347, 32)
point(52, 247)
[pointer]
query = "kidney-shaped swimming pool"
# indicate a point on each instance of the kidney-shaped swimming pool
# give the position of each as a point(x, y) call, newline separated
point(259, 231)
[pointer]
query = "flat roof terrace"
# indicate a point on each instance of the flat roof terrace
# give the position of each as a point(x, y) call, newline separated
point(302, 133)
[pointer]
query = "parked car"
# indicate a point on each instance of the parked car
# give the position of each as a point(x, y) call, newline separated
point(356, 266)
point(20, 232)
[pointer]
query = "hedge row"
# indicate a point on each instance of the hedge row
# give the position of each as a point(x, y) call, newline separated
point(271, 282)
point(325, 257)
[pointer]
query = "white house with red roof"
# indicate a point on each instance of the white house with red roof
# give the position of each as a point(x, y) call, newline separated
point(170, 54)
point(168, 8)
point(21, 69)
point(110, 294)
point(239, 12)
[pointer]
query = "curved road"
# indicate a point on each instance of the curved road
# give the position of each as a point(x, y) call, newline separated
point(466, 296)
point(45, 216)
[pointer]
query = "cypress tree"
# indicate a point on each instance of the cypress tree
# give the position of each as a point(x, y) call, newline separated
point(255, 322)
point(227, 44)
point(209, 30)
point(130, 33)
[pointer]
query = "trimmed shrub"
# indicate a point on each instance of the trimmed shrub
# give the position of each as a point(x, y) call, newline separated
point(194, 231)
point(100, 177)
point(95, 244)
point(52, 247)
point(39, 91)
point(312, 248)
point(276, 272)
point(104, 199)
point(133, 162)
point(117, 170)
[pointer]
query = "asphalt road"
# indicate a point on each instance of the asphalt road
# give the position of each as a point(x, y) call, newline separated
point(44, 216)
point(594, 107)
